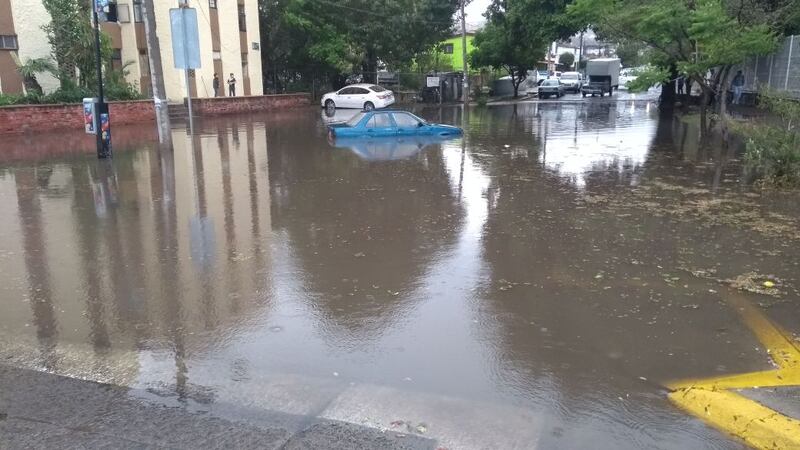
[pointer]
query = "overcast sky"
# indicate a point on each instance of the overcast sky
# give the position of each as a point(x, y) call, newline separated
point(475, 12)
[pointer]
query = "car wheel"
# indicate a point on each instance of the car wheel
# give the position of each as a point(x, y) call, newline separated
point(369, 106)
point(329, 104)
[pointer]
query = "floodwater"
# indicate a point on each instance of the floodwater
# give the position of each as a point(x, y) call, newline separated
point(566, 260)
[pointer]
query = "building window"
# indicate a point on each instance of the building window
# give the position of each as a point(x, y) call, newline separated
point(242, 19)
point(212, 4)
point(8, 42)
point(123, 14)
point(137, 11)
point(116, 58)
point(447, 49)
point(144, 63)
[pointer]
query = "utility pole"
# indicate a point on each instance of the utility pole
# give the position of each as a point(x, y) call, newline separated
point(464, 52)
point(156, 72)
point(580, 54)
point(102, 132)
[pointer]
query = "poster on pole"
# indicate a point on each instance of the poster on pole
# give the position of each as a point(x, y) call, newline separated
point(89, 119)
point(185, 38)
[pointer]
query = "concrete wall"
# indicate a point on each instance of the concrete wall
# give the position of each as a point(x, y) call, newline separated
point(29, 18)
point(35, 118)
point(232, 105)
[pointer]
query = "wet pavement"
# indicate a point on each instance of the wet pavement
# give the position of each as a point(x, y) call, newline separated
point(534, 284)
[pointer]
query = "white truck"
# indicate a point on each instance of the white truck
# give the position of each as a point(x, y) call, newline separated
point(602, 75)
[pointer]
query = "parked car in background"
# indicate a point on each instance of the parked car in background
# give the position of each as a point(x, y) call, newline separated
point(551, 87)
point(362, 96)
point(572, 81)
point(389, 123)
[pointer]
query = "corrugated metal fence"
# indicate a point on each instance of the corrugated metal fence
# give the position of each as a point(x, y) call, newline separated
point(780, 70)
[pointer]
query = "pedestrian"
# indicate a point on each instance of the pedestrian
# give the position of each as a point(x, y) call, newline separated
point(215, 84)
point(738, 87)
point(232, 86)
point(680, 85)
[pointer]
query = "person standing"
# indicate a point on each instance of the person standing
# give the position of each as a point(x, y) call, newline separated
point(215, 84)
point(738, 87)
point(232, 86)
point(681, 81)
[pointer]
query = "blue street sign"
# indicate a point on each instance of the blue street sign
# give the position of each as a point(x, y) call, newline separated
point(185, 38)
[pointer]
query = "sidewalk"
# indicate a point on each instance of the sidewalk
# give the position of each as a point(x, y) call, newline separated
point(40, 410)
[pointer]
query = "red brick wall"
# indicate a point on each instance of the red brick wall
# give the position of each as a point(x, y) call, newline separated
point(39, 118)
point(232, 105)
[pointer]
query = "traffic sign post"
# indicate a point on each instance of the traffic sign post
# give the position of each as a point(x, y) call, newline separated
point(185, 47)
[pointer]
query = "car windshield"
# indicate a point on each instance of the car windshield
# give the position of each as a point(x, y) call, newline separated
point(569, 76)
point(550, 83)
point(355, 119)
point(377, 88)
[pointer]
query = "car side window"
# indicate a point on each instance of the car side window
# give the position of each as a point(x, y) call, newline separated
point(405, 120)
point(345, 91)
point(379, 121)
point(360, 91)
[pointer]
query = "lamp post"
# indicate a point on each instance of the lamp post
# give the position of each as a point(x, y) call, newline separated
point(102, 119)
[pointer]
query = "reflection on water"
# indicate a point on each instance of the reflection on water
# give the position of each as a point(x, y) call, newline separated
point(481, 267)
point(388, 148)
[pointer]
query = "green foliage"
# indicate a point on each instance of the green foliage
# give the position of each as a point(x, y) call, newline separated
point(71, 37)
point(649, 76)
point(115, 88)
point(566, 60)
point(773, 148)
point(688, 37)
point(311, 38)
point(32, 67)
point(632, 53)
point(517, 34)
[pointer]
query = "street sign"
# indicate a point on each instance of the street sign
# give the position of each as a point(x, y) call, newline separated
point(432, 82)
point(185, 38)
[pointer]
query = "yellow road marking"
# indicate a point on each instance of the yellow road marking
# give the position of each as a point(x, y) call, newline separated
point(757, 425)
point(711, 400)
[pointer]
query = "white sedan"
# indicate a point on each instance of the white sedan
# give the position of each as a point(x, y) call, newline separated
point(361, 96)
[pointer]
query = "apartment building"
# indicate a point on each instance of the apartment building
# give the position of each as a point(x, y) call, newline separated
point(229, 43)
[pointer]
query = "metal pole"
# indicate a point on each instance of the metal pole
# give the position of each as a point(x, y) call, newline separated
point(156, 72)
point(771, 63)
point(99, 108)
point(788, 63)
point(464, 52)
point(186, 70)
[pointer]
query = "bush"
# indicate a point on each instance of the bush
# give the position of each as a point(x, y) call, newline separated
point(773, 149)
point(116, 88)
point(773, 155)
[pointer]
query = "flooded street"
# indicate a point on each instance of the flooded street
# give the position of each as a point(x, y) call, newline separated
point(536, 283)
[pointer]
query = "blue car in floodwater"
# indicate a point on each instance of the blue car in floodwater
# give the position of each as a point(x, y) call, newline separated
point(383, 123)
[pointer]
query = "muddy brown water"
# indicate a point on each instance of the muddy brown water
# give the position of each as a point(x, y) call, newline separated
point(564, 258)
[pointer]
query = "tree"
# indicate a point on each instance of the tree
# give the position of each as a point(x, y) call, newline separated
point(684, 37)
point(32, 67)
point(517, 34)
point(495, 47)
point(310, 36)
point(566, 60)
point(631, 52)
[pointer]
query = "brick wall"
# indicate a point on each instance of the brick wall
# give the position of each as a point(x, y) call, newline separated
point(39, 118)
point(256, 103)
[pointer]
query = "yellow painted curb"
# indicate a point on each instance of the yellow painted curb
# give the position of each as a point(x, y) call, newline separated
point(712, 400)
point(757, 425)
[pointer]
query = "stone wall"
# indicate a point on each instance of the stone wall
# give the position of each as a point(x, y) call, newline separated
point(37, 118)
point(257, 103)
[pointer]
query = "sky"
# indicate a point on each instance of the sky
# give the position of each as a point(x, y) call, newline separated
point(475, 12)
